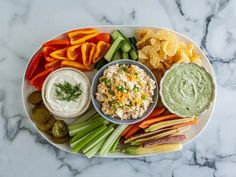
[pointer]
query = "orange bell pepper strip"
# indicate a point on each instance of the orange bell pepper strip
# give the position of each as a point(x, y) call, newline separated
point(46, 53)
point(60, 54)
point(101, 49)
point(88, 50)
point(39, 79)
point(53, 64)
point(57, 43)
point(74, 64)
point(81, 35)
point(73, 52)
point(101, 37)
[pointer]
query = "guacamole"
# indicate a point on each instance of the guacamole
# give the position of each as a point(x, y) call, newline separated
point(187, 89)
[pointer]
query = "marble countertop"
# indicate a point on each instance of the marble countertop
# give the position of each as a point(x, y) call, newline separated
point(25, 24)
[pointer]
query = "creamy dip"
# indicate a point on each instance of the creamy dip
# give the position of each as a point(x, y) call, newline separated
point(67, 107)
point(187, 89)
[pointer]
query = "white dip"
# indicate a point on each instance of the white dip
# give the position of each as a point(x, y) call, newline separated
point(64, 107)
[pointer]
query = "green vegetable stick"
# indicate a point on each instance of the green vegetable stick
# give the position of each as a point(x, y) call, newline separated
point(113, 147)
point(87, 115)
point(95, 149)
point(81, 124)
point(92, 135)
point(111, 139)
point(88, 129)
point(102, 136)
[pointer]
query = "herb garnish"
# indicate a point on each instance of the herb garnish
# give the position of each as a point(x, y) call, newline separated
point(67, 92)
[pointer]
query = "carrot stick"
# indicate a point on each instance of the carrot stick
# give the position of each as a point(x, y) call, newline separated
point(156, 112)
point(133, 130)
point(194, 122)
point(135, 127)
point(127, 130)
point(147, 123)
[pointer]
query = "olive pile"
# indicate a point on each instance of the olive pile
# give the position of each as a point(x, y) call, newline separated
point(46, 122)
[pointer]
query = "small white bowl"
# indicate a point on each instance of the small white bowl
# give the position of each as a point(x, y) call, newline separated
point(86, 106)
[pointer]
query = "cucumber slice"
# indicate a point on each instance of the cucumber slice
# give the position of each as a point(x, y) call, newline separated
point(133, 42)
point(111, 139)
point(133, 54)
point(114, 47)
point(117, 56)
point(125, 55)
point(125, 47)
point(101, 63)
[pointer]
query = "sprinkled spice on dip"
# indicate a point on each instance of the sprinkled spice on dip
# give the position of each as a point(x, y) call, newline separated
point(187, 89)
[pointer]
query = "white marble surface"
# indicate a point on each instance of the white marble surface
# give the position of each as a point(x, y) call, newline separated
point(25, 24)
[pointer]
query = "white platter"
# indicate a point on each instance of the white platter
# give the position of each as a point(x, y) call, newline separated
point(129, 31)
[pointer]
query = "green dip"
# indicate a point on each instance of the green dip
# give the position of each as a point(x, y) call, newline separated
point(187, 89)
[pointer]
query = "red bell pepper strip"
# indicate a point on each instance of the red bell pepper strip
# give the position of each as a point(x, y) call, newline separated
point(36, 65)
point(81, 35)
point(73, 52)
point(105, 37)
point(57, 43)
point(60, 54)
point(39, 79)
point(88, 50)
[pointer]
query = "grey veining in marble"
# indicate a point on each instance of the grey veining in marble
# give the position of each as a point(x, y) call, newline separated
point(25, 24)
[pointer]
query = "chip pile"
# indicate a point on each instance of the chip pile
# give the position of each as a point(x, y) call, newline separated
point(160, 49)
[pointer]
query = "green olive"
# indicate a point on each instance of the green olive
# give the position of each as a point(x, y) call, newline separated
point(41, 115)
point(47, 127)
point(35, 98)
point(59, 129)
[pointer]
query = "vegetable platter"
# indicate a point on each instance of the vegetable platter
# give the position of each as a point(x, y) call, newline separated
point(155, 92)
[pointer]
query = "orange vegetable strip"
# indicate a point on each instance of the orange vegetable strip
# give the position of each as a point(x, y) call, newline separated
point(194, 122)
point(147, 123)
point(72, 52)
point(156, 112)
point(55, 63)
point(127, 130)
point(80, 36)
point(57, 42)
point(87, 50)
point(101, 48)
point(133, 130)
point(74, 64)
point(60, 54)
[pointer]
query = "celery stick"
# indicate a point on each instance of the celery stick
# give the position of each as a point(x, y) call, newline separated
point(88, 114)
point(95, 149)
point(91, 127)
point(72, 127)
point(77, 146)
point(72, 144)
point(99, 138)
point(113, 147)
point(111, 139)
